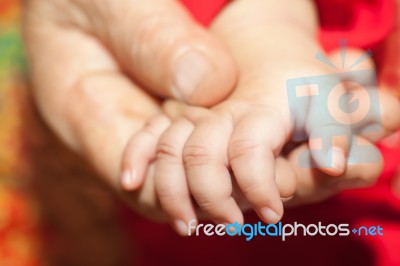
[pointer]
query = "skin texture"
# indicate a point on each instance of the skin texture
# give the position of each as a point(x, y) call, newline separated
point(99, 78)
point(231, 152)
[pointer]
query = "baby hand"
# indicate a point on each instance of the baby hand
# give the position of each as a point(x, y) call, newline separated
point(207, 153)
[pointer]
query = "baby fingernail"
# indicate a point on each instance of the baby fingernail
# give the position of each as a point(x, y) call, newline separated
point(338, 158)
point(181, 228)
point(269, 215)
point(128, 179)
point(190, 70)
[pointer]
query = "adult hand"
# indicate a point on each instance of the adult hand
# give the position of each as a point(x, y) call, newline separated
point(97, 65)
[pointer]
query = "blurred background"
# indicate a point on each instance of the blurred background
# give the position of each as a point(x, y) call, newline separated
point(55, 211)
point(46, 216)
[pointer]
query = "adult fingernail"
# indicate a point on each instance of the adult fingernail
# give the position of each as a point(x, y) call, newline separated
point(181, 228)
point(270, 216)
point(338, 158)
point(129, 180)
point(191, 68)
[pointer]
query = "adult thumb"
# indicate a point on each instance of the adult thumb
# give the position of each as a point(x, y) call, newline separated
point(163, 49)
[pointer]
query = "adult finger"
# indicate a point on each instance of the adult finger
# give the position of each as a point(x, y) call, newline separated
point(83, 96)
point(163, 48)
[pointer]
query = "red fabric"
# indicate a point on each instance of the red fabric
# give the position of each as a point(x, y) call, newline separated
point(364, 23)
